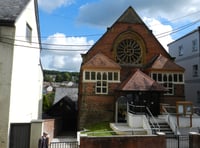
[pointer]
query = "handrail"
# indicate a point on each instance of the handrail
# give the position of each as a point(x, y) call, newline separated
point(170, 122)
point(146, 112)
point(152, 117)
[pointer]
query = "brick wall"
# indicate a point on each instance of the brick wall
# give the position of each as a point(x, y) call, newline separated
point(123, 142)
point(194, 140)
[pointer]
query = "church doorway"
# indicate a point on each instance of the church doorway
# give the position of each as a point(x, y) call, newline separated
point(138, 99)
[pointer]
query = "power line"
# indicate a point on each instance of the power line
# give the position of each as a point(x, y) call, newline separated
point(62, 45)
point(177, 29)
point(43, 48)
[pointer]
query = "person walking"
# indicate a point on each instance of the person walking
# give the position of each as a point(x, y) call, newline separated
point(43, 141)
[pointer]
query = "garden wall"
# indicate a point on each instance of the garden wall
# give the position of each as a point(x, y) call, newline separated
point(154, 141)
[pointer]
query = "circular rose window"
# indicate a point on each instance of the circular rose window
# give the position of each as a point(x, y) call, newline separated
point(128, 52)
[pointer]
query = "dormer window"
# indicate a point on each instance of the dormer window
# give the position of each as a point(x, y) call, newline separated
point(28, 33)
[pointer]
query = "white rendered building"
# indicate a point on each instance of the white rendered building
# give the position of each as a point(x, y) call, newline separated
point(21, 75)
point(186, 51)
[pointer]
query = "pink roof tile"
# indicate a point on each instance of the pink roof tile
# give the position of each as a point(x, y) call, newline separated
point(100, 61)
point(163, 63)
point(139, 81)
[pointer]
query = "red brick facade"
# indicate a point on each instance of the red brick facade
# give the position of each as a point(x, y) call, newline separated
point(150, 58)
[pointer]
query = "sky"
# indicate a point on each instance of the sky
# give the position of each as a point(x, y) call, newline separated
point(70, 27)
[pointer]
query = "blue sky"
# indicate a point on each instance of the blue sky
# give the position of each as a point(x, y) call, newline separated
point(75, 25)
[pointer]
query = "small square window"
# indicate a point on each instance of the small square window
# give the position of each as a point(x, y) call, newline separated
point(155, 76)
point(180, 50)
point(175, 78)
point(116, 76)
point(28, 33)
point(195, 70)
point(87, 75)
point(180, 76)
point(110, 76)
point(93, 76)
point(194, 45)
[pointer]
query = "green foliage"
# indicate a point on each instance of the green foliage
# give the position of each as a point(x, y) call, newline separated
point(47, 78)
point(60, 76)
point(100, 129)
point(48, 100)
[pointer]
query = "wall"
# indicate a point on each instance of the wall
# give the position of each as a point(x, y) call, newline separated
point(123, 141)
point(26, 88)
point(36, 132)
point(185, 121)
point(6, 54)
point(194, 140)
point(37, 129)
point(187, 60)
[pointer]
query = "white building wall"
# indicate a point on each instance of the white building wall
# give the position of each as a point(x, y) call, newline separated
point(187, 60)
point(6, 55)
point(27, 75)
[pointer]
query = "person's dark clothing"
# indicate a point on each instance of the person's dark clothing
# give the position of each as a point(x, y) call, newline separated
point(43, 142)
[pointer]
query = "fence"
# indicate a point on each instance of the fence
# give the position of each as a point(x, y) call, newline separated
point(70, 144)
point(180, 141)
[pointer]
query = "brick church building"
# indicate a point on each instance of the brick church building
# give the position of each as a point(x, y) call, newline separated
point(126, 65)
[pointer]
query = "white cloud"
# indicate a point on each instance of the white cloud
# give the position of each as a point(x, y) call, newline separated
point(49, 6)
point(105, 12)
point(158, 28)
point(66, 55)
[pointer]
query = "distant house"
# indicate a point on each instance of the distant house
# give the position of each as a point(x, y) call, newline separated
point(20, 71)
point(127, 65)
point(186, 51)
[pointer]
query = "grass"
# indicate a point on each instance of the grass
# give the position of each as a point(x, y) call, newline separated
point(99, 129)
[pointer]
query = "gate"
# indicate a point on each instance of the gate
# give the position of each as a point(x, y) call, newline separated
point(180, 141)
point(71, 144)
point(20, 135)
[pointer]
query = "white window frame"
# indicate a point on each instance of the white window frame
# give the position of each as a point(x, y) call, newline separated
point(180, 50)
point(164, 79)
point(115, 79)
point(195, 70)
point(194, 45)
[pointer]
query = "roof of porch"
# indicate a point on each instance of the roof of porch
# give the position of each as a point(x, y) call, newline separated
point(139, 81)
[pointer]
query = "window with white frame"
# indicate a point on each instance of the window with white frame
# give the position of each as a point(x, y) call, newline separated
point(101, 78)
point(110, 76)
point(101, 84)
point(28, 33)
point(180, 50)
point(168, 80)
point(195, 70)
point(194, 45)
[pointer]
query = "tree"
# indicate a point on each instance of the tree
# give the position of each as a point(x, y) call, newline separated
point(59, 78)
point(48, 100)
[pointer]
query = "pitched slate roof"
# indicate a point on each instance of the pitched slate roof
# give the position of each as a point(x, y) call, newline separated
point(130, 16)
point(162, 62)
point(11, 9)
point(139, 81)
point(100, 61)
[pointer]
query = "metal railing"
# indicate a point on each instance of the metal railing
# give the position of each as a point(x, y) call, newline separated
point(177, 141)
point(171, 123)
point(138, 109)
point(71, 144)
